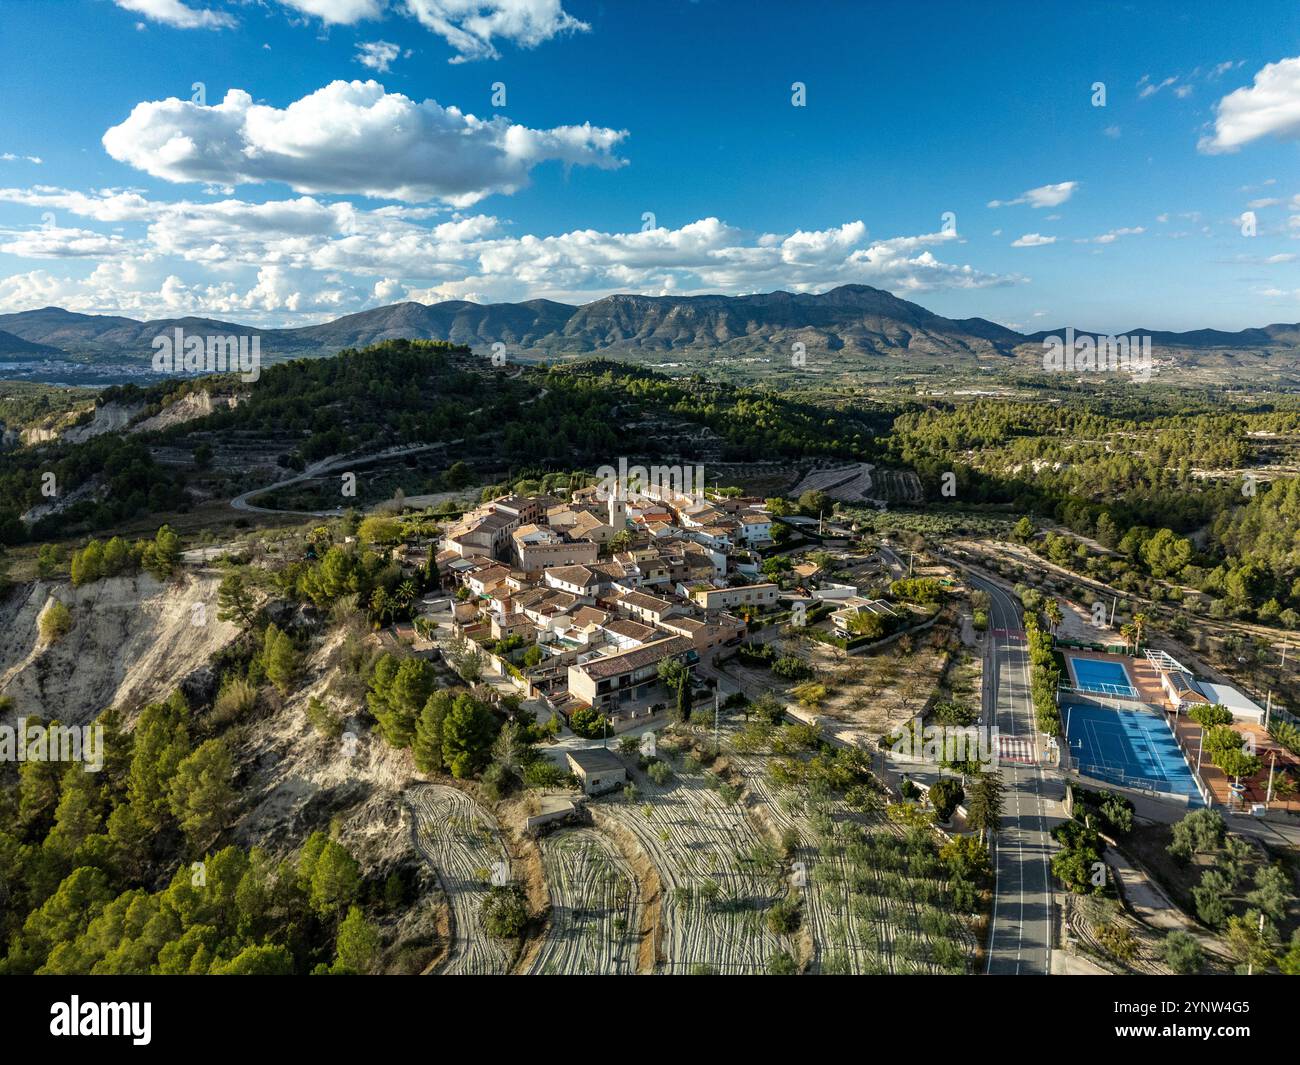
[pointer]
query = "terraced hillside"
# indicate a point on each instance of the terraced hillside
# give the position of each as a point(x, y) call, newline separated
point(462, 842)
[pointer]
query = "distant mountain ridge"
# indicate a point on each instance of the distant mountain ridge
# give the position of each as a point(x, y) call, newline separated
point(853, 320)
point(13, 346)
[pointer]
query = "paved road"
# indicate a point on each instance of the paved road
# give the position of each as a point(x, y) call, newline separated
point(319, 469)
point(1020, 934)
point(896, 566)
point(348, 462)
point(1276, 833)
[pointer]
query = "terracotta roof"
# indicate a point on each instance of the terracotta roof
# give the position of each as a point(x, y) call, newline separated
point(579, 576)
point(584, 520)
point(626, 661)
point(629, 629)
point(645, 601)
point(490, 573)
point(589, 615)
point(546, 601)
point(684, 625)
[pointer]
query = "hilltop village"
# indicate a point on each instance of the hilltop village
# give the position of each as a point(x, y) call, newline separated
point(592, 595)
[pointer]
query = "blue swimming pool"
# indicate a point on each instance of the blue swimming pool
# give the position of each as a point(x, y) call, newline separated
point(1100, 676)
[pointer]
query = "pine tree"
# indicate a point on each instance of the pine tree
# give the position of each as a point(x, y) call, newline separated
point(163, 555)
point(984, 805)
point(235, 600)
point(467, 734)
point(427, 748)
point(356, 945)
point(161, 743)
point(280, 659)
point(335, 878)
point(87, 565)
point(200, 795)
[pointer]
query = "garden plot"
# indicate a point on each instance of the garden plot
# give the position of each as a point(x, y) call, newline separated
point(595, 907)
point(852, 483)
point(461, 841)
point(715, 893)
point(900, 486)
point(868, 696)
point(875, 900)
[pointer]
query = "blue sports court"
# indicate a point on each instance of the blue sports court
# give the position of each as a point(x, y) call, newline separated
point(1131, 746)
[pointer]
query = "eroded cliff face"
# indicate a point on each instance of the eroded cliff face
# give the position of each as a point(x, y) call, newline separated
point(132, 639)
point(118, 417)
point(135, 639)
point(186, 409)
point(110, 418)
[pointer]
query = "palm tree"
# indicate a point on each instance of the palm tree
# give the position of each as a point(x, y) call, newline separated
point(1139, 627)
point(380, 605)
point(1284, 785)
point(1055, 616)
point(1128, 634)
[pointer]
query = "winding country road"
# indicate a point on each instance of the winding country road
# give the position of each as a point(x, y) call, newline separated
point(348, 462)
point(1020, 932)
point(319, 469)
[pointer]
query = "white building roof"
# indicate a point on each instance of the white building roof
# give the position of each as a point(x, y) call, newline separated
point(1226, 695)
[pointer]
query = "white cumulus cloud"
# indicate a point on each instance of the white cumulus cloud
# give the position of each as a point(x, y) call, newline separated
point(377, 55)
point(337, 12)
point(350, 137)
point(287, 260)
point(178, 15)
point(52, 242)
point(471, 26)
point(1268, 107)
point(1113, 235)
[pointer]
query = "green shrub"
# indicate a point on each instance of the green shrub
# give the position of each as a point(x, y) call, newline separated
point(56, 622)
point(504, 913)
point(792, 669)
point(1182, 952)
point(324, 720)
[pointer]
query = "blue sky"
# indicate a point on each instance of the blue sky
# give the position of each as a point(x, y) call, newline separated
point(343, 170)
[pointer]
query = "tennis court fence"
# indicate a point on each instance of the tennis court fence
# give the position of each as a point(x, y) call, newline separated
point(1113, 691)
point(1116, 775)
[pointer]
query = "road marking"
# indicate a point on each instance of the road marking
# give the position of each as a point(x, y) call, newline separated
point(1003, 617)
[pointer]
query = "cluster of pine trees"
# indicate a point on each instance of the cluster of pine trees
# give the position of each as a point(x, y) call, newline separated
point(1136, 485)
point(118, 871)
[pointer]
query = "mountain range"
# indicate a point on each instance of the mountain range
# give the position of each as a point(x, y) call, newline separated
point(856, 321)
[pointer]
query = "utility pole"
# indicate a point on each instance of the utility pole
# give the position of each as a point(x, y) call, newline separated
point(1271, 766)
point(1250, 965)
point(716, 694)
point(1268, 708)
point(1114, 602)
